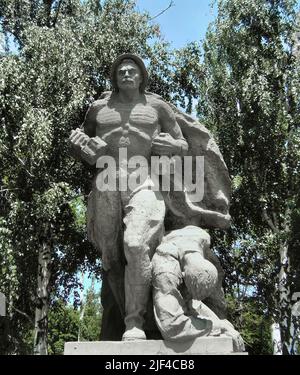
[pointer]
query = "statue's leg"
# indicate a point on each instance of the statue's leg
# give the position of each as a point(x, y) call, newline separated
point(198, 240)
point(112, 324)
point(144, 227)
point(216, 301)
point(170, 307)
point(105, 232)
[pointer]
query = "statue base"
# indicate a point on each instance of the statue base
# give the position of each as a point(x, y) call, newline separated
point(200, 346)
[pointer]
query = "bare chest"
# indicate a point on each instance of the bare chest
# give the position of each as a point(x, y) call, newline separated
point(140, 116)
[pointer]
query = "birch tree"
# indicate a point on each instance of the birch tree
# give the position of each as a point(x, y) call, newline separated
point(250, 100)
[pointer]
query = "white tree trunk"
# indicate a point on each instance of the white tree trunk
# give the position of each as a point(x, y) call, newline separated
point(284, 300)
point(42, 305)
point(282, 344)
point(82, 308)
point(276, 339)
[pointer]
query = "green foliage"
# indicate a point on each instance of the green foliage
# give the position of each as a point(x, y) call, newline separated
point(250, 100)
point(67, 323)
point(63, 326)
point(91, 317)
point(9, 280)
point(250, 319)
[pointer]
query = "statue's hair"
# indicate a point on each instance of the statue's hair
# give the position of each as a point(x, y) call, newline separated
point(201, 278)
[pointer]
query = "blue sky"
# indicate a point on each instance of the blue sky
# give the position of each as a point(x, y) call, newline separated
point(185, 21)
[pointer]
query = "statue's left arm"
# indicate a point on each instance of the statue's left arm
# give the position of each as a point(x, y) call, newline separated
point(170, 141)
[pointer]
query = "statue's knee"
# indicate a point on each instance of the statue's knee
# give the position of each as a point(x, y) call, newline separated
point(135, 249)
point(134, 241)
point(166, 273)
point(166, 282)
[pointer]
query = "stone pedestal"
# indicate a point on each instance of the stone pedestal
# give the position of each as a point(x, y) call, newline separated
point(200, 346)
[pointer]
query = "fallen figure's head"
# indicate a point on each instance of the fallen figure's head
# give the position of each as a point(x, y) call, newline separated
point(184, 276)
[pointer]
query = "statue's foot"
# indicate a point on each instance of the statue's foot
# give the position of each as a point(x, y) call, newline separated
point(134, 334)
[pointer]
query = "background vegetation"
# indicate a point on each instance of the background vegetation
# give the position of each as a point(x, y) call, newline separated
point(245, 81)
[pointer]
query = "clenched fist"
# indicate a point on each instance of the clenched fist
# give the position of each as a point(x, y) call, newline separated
point(89, 149)
point(165, 144)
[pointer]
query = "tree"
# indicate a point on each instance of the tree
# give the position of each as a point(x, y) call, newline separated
point(251, 320)
point(250, 100)
point(68, 323)
point(90, 322)
point(63, 326)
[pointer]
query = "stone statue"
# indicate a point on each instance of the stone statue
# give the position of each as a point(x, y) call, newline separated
point(150, 238)
point(186, 281)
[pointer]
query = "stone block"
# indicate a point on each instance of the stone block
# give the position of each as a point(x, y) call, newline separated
point(200, 346)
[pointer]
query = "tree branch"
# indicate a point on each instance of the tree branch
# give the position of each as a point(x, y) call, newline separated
point(267, 218)
point(56, 13)
point(22, 313)
point(21, 161)
point(287, 219)
point(3, 190)
point(275, 220)
point(163, 11)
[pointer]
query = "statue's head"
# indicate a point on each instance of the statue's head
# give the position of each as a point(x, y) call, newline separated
point(129, 70)
point(200, 275)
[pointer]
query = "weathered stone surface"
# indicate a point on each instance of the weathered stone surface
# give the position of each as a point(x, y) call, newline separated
point(183, 274)
point(126, 225)
point(200, 346)
point(151, 241)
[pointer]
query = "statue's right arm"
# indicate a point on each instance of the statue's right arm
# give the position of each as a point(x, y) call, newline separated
point(85, 144)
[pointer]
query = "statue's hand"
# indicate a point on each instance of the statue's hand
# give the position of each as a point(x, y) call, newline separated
point(165, 144)
point(78, 139)
point(215, 219)
point(89, 149)
point(223, 221)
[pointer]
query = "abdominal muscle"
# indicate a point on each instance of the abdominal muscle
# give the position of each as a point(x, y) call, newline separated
point(132, 160)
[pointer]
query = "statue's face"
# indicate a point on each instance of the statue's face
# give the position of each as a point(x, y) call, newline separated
point(129, 75)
